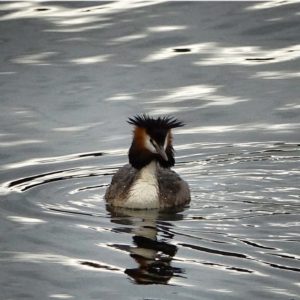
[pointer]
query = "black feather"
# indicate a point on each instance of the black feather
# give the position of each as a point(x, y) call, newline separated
point(144, 121)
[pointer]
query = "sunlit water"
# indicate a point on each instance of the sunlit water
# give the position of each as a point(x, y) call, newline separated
point(64, 134)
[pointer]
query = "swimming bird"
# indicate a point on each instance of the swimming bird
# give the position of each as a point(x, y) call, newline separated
point(147, 182)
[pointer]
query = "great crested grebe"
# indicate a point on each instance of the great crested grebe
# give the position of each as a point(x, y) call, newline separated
point(147, 181)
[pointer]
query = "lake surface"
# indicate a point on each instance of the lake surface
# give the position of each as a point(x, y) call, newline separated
point(73, 72)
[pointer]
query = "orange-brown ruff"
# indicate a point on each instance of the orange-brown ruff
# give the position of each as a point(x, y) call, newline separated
point(147, 182)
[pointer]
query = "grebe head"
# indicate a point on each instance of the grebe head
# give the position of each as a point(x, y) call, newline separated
point(152, 140)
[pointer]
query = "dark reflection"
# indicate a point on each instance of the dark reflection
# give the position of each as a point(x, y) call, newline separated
point(95, 154)
point(153, 254)
point(258, 59)
point(98, 266)
point(41, 9)
point(257, 245)
point(214, 251)
point(182, 50)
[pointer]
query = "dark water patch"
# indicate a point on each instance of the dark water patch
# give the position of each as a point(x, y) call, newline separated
point(260, 59)
point(286, 268)
point(95, 186)
point(257, 245)
point(41, 9)
point(240, 270)
point(214, 251)
point(182, 50)
point(69, 212)
point(217, 266)
point(99, 266)
point(91, 154)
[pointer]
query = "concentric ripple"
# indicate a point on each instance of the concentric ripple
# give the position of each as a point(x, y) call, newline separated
point(243, 220)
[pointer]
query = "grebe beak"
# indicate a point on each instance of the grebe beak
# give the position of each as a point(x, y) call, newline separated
point(161, 151)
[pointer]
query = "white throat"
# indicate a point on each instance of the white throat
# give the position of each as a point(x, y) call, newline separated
point(144, 192)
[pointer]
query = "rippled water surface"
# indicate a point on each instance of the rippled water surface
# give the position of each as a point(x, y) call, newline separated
point(72, 72)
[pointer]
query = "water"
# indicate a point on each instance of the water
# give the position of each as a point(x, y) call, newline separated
point(71, 73)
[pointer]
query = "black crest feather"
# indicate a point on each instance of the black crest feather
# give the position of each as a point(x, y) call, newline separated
point(144, 121)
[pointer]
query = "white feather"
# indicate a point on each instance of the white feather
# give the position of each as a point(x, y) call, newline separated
point(149, 145)
point(144, 192)
point(166, 140)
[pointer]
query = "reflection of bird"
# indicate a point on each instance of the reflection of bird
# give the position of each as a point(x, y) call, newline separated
point(147, 181)
point(152, 247)
point(154, 259)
